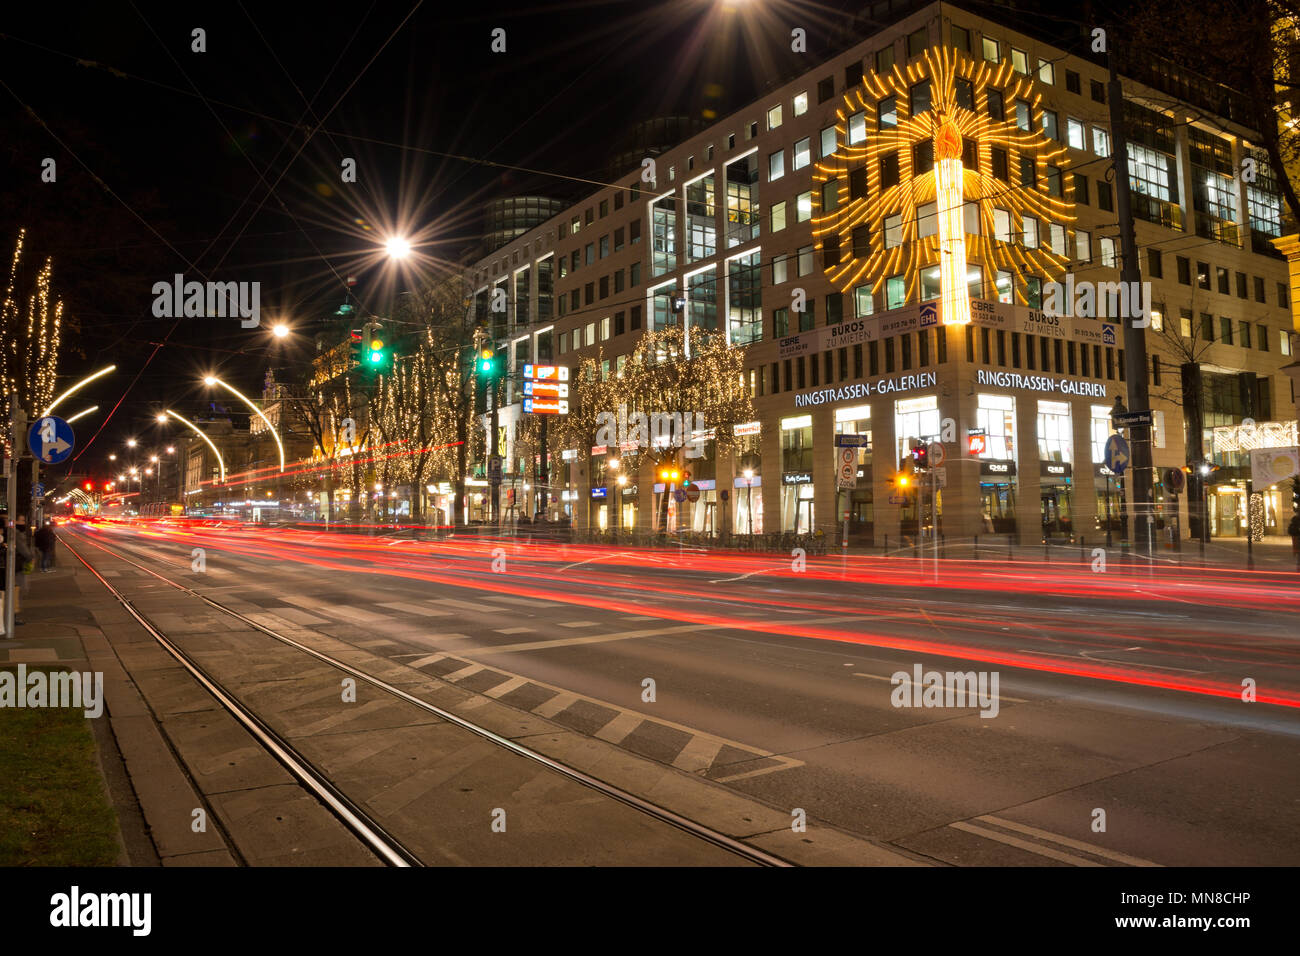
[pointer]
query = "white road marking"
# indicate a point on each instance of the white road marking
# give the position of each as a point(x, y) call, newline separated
point(1067, 841)
point(416, 609)
point(1023, 844)
point(505, 687)
point(699, 753)
point(749, 575)
point(463, 672)
point(516, 630)
point(1002, 697)
point(556, 704)
point(479, 606)
point(619, 554)
point(427, 659)
point(620, 727)
point(577, 624)
point(590, 639)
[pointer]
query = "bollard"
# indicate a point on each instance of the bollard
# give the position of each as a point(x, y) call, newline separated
point(1011, 554)
point(886, 545)
point(1046, 554)
point(975, 543)
point(1083, 550)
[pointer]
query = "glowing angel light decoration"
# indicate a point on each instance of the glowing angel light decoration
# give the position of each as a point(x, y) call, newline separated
point(971, 110)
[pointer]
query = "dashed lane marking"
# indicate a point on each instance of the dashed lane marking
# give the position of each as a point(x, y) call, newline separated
point(416, 609)
point(578, 624)
point(516, 630)
point(1068, 841)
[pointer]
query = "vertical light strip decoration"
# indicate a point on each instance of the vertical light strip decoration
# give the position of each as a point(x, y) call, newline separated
point(954, 296)
point(964, 94)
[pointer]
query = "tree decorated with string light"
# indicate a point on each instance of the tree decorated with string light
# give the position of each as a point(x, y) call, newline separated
point(31, 319)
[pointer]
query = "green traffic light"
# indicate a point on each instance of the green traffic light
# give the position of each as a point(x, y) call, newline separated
point(376, 358)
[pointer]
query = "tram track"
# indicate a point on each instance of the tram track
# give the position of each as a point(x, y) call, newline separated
point(372, 833)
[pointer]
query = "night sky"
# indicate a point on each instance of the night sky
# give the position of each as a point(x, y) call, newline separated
point(170, 160)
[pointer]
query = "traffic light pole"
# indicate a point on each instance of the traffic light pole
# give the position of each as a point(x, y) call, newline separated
point(1135, 350)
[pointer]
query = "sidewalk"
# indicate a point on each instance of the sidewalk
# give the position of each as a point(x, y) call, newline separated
point(70, 619)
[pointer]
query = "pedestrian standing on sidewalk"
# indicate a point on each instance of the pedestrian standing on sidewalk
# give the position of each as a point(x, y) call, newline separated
point(45, 541)
point(1293, 529)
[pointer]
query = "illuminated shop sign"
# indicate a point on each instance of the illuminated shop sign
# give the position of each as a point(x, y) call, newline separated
point(881, 386)
point(1055, 469)
point(797, 478)
point(998, 467)
point(599, 492)
point(1040, 383)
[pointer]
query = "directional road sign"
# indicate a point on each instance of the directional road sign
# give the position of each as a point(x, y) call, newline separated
point(852, 441)
point(679, 495)
point(1117, 454)
point(51, 439)
point(1129, 419)
point(898, 499)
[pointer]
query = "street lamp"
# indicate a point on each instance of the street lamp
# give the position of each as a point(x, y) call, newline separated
point(220, 464)
point(85, 381)
point(398, 247)
point(280, 329)
point(130, 443)
point(213, 380)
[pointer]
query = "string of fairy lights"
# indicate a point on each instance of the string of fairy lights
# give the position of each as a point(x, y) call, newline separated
point(31, 344)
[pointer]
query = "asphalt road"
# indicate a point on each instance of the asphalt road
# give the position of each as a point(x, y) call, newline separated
point(1118, 703)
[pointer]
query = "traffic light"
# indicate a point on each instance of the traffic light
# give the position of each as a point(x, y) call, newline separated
point(90, 486)
point(686, 479)
point(488, 364)
point(920, 456)
point(356, 341)
point(375, 347)
point(670, 475)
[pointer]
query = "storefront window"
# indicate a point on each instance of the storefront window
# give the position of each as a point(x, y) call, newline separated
point(747, 483)
point(796, 474)
point(1054, 435)
point(857, 502)
point(915, 419)
point(1101, 431)
point(996, 414)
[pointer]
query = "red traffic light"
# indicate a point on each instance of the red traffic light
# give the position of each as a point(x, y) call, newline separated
point(90, 486)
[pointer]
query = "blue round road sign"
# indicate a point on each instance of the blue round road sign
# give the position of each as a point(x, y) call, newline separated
point(51, 439)
point(1117, 454)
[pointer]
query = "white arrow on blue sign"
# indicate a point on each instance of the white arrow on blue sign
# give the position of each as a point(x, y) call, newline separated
point(1117, 454)
point(51, 439)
